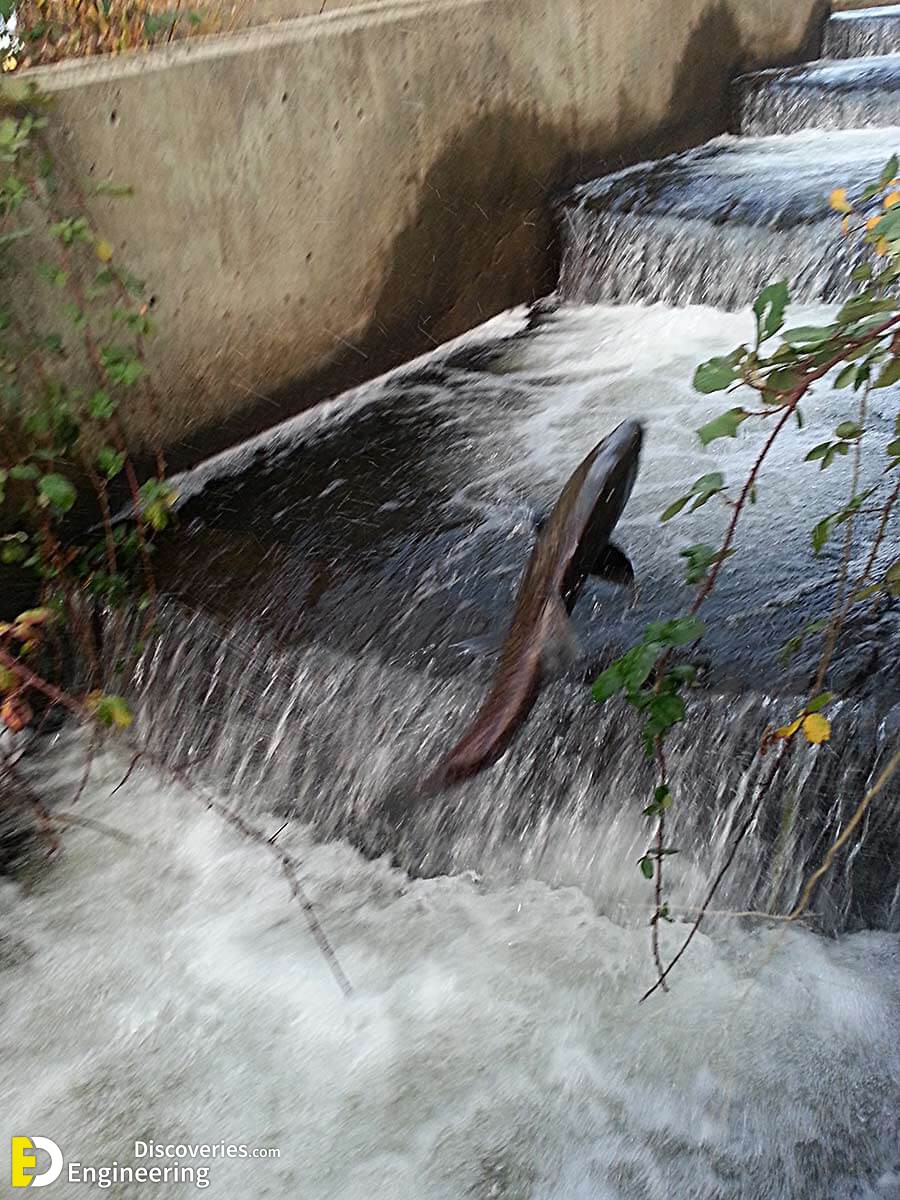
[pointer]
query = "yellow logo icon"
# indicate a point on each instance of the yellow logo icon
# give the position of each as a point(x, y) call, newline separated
point(24, 1162)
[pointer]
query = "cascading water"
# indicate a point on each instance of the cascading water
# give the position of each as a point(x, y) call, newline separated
point(850, 94)
point(316, 653)
point(715, 225)
point(857, 34)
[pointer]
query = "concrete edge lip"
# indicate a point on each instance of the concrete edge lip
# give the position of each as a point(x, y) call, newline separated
point(107, 68)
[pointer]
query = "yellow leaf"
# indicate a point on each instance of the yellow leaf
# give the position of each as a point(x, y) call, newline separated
point(839, 202)
point(881, 246)
point(10, 62)
point(873, 222)
point(892, 199)
point(817, 728)
point(103, 250)
point(788, 731)
point(845, 226)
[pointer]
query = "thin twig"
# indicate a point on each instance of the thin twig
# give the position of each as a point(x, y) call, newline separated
point(858, 815)
point(117, 835)
point(721, 873)
point(136, 758)
point(844, 598)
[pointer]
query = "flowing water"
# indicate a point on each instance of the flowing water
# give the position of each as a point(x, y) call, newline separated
point(848, 94)
point(859, 33)
point(323, 639)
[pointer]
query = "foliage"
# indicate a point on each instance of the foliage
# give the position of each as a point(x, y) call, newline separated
point(52, 30)
point(779, 369)
point(65, 395)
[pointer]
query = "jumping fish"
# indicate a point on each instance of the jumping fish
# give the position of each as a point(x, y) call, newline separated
point(571, 544)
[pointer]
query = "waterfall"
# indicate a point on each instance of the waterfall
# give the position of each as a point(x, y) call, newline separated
point(859, 33)
point(851, 94)
point(331, 609)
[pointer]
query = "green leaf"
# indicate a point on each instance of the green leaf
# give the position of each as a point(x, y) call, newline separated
point(110, 461)
point(864, 306)
point(849, 430)
point(667, 710)
point(23, 471)
point(57, 491)
point(679, 631)
point(637, 664)
point(646, 865)
point(662, 802)
point(111, 710)
point(725, 425)
point(699, 559)
point(13, 548)
point(821, 533)
point(783, 379)
point(818, 452)
point(890, 374)
point(819, 702)
point(101, 406)
point(607, 684)
point(845, 378)
point(684, 673)
point(769, 309)
point(889, 225)
point(674, 509)
point(809, 335)
point(889, 172)
point(714, 376)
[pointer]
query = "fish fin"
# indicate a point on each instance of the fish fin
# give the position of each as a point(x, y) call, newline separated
point(614, 566)
point(561, 646)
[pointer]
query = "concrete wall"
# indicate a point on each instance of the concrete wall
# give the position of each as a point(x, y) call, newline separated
point(321, 199)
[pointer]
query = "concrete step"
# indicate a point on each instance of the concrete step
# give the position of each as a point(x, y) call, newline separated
point(714, 225)
point(862, 32)
point(848, 93)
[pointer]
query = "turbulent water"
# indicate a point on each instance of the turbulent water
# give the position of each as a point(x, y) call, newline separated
point(165, 989)
point(718, 223)
point(494, 1046)
point(851, 94)
point(332, 604)
point(864, 32)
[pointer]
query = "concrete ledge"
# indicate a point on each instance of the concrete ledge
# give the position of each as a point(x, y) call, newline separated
point(320, 199)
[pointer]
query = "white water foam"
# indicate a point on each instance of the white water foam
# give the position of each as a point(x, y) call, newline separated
point(167, 989)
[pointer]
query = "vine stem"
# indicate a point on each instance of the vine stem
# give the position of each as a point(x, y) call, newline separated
point(660, 846)
point(29, 677)
point(720, 874)
point(844, 599)
point(75, 289)
point(827, 862)
point(791, 400)
point(886, 511)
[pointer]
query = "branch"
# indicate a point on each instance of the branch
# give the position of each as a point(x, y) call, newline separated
point(721, 873)
point(829, 858)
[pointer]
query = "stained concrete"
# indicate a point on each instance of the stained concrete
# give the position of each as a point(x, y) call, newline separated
point(320, 199)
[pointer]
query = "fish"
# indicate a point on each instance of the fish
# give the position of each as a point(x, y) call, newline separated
point(572, 543)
